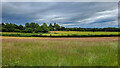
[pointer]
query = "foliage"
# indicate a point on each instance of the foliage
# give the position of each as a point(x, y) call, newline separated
point(29, 30)
point(36, 28)
point(51, 27)
point(44, 28)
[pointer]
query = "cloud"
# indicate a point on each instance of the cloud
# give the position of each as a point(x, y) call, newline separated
point(60, 0)
point(68, 14)
point(101, 16)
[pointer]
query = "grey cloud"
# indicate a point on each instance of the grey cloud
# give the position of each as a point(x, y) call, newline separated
point(60, 12)
point(60, 0)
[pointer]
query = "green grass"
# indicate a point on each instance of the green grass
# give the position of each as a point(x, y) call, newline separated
point(51, 52)
point(0, 53)
point(61, 33)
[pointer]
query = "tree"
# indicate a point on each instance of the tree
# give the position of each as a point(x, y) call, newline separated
point(27, 25)
point(51, 28)
point(29, 30)
point(44, 28)
point(3, 24)
point(62, 28)
point(94, 29)
point(56, 27)
point(4, 29)
point(20, 27)
point(38, 29)
point(33, 25)
point(17, 30)
point(10, 27)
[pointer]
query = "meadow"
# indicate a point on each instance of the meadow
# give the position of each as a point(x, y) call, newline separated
point(62, 34)
point(39, 51)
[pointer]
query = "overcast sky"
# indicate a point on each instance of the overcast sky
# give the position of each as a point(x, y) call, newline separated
point(68, 14)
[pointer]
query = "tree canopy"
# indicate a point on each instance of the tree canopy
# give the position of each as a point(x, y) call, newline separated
point(44, 28)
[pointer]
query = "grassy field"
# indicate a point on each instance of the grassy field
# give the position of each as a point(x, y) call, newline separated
point(62, 33)
point(34, 51)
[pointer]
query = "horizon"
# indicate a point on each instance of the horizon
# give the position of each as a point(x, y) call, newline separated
point(56, 23)
point(69, 15)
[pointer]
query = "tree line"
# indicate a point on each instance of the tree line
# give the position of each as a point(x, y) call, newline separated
point(44, 28)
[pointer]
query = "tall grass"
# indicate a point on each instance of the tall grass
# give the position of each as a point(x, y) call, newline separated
point(60, 52)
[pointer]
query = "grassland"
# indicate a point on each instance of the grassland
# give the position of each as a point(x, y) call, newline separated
point(34, 51)
point(62, 34)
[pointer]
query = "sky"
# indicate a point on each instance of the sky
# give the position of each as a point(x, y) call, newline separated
point(67, 14)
